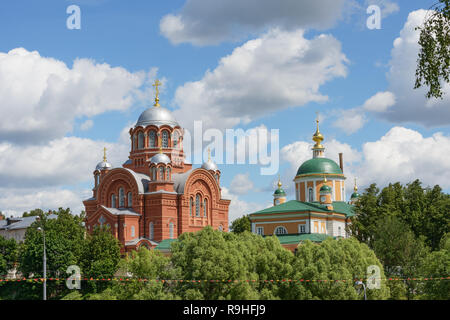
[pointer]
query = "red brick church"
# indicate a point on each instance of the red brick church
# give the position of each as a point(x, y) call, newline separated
point(155, 195)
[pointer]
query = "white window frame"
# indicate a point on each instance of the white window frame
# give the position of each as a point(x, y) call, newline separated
point(280, 228)
point(260, 231)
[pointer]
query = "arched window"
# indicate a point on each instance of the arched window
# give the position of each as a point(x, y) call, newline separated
point(121, 198)
point(97, 179)
point(191, 204)
point(132, 232)
point(168, 173)
point(153, 173)
point(311, 195)
point(171, 230)
point(151, 231)
point(197, 206)
point(175, 138)
point(161, 173)
point(152, 139)
point(342, 195)
point(280, 230)
point(134, 141)
point(130, 199)
point(204, 207)
point(217, 177)
point(113, 200)
point(165, 139)
point(220, 228)
point(140, 140)
point(339, 232)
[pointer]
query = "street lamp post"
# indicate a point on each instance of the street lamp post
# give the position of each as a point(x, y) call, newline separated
point(358, 283)
point(45, 267)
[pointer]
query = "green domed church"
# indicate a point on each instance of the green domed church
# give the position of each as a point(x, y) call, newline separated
point(319, 210)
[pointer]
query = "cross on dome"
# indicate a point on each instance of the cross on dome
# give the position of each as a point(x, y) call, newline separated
point(156, 85)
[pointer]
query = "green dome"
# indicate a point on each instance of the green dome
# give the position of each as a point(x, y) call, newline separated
point(325, 188)
point(355, 195)
point(319, 165)
point(280, 192)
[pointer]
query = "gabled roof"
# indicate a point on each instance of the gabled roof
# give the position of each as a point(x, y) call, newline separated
point(300, 206)
point(119, 212)
point(23, 222)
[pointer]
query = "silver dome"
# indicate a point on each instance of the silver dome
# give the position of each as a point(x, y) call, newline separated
point(157, 116)
point(209, 165)
point(103, 165)
point(160, 158)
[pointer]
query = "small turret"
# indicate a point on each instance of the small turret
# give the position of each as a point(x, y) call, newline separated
point(325, 195)
point(279, 196)
point(355, 195)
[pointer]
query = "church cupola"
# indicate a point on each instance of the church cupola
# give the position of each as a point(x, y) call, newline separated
point(279, 196)
point(325, 195)
point(211, 166)
point(318, 148)
point(355, 195)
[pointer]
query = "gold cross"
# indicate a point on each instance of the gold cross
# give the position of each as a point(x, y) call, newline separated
point(104, 154)
point(156, 85)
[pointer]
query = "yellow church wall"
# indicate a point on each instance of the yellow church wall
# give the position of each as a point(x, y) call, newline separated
point(302, 191)
point(338, 193)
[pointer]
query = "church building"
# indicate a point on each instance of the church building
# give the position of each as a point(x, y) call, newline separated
point(319, 210)
point(155, 196)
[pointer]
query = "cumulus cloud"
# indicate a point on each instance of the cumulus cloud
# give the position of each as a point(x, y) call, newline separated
point(380, 102)
point(16, 201)
point(239, 207)
point(41, 97)
point(64, 161)
point(350, 120)
point(86, 125)
point(203, 22)
point(400, 155)
point(410, 105)
point(280, 69)
point(403, 155)
point(241, 184)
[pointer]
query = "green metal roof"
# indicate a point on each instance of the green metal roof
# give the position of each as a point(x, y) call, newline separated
point(319, 165)
point(296, 238)
point(280, 191)
point(325, 188)
point(299, 206)
point(165, 244)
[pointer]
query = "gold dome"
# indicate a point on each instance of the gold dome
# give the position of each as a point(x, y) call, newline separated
point(317, 137)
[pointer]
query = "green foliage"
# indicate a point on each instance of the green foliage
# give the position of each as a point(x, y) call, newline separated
point(401, 253)
point(8, 255)
point(343, 259)
point(423, 210)
point(433, 63)
point(436, 265)
point(100, 254)
point(35, 212)
point(241, 224)
point(64, 238)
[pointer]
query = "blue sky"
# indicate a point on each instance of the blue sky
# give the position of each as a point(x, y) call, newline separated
point(382, 140)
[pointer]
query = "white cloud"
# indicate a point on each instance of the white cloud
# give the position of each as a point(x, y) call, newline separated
point(86, 125)
point(350, 120)
point(280, 69)
point(380, 102)
point(387, 7)
point(411, 105)
point(16, 201)
point(241, 184)
point(404, 155)
point(238, 207)
point(40, 97)
point(64, 161)
point(204, 22)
